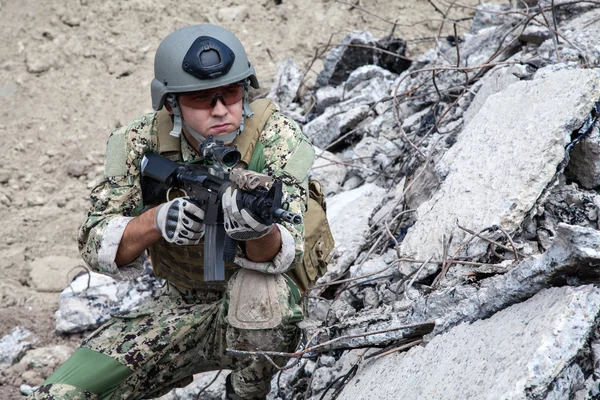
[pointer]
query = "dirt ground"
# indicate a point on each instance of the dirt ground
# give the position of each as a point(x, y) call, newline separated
point(72, 71)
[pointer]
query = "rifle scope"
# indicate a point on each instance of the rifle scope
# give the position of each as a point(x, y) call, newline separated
point(221, 155)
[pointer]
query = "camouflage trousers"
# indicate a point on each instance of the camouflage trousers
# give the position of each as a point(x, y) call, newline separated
point(160, 346)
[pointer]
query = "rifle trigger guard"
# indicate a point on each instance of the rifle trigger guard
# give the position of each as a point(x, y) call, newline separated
point(178, 189)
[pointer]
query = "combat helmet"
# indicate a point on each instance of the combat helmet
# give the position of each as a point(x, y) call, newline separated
point(199, 57)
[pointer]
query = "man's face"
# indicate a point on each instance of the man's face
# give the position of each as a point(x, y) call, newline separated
point(213, 112)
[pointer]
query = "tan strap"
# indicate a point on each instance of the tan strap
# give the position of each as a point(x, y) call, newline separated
point(245, 142)
point(166, 142)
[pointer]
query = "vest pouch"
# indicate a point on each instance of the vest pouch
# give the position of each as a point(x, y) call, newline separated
point(318, 240)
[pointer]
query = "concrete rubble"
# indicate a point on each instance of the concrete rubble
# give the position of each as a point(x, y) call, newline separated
point(523, 351)
point(465, 213)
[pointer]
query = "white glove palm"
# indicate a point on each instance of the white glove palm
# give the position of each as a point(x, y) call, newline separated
point(180, 221)
point(240, 223)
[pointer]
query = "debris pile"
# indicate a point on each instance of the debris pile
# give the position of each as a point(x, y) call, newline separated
point(457, 189)
point(462, 195)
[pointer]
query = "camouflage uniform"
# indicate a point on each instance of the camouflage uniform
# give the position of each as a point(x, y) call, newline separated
point(184, 330)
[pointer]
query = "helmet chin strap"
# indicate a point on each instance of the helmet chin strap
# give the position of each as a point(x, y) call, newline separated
point(178, 120)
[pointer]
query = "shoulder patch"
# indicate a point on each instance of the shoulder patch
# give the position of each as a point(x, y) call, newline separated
point(116, 156)
point(301, 161)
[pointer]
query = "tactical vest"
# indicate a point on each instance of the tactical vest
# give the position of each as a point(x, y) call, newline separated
point(183, 265)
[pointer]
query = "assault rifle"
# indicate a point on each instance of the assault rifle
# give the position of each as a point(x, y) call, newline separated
point(261, 194)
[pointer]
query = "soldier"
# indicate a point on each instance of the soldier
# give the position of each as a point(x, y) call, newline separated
point(202, 77)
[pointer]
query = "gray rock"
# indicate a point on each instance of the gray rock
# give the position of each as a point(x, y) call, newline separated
point(329, 170)
point(374, 155)
point(350, 119)
point(535, 34)
point(584, 164)
point(494, 82)
point(328, 126)
point(27, 390)
point(321, 378)
point(370, 267)
point(4, 176)
point(340, 310)
point(342, 60)
point(519, 352)
point(327, 96)
point(201, 381)
point(489, 15)
point(14, 345)
point(318, 308)
point(526, 144)
point(353, 182)
point(370, 298)
point(367, 91)
point(477, 49)
point(286, 85)
point(327, 361)
point(324, 129)
point(367, 73)
point(421, 185)
point(389, 205)
point(573, 245)
point(37, 364)
point(348, 214)
point(90, 299)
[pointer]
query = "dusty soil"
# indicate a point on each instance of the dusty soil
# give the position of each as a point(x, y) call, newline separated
point(70, 72)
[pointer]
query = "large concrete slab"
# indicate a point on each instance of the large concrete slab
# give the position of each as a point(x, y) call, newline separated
point(504, 158)
point(348, 214)
point(518, 353)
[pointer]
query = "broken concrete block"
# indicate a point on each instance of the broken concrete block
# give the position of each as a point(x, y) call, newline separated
point(342, 60)
point(350, 119)
point(328, 96)
point(328, 126)
point(190, 392)
point(329, 170)
point(283, 92)
point(525, 144)
point(489, 15)
point(374, 155)
point(14, 345)
point(324, 129)
point(391, 62)
point(518, 353)
point(584, 165)
point(89, 300)
point(535, 34)
point(36, 365)
point(348, 214)
point(494, 82)
point(367, 73)
point(570, 259)
point(477, 49)
point(370, 267)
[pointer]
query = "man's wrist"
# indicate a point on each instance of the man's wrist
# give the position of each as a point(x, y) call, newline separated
point(264, 248)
